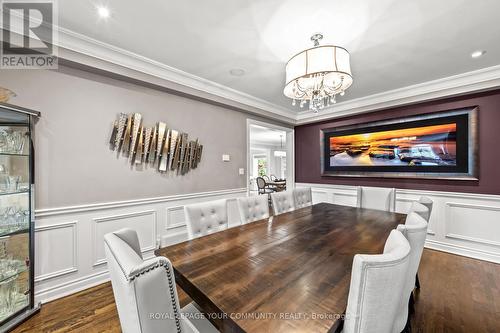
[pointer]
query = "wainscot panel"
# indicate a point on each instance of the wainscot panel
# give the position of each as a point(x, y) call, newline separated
point(466, 224)
point(69, 240)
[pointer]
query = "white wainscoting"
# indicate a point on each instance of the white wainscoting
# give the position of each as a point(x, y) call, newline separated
point(69, 244)
point(466, 224)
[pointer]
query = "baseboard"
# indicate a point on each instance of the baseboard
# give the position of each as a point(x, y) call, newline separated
point(71, 287)
point(463, 251)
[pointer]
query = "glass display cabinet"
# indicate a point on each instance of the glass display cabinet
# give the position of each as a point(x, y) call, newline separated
point(16, 215)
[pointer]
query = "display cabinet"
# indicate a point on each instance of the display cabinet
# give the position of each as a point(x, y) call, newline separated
point(16, 215)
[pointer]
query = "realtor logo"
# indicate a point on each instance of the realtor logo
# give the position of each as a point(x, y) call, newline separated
point(28, 35)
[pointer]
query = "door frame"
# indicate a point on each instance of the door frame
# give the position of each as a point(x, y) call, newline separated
point(290, 151)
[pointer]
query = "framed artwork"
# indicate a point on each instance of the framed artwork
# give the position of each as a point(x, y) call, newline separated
point(436, 145)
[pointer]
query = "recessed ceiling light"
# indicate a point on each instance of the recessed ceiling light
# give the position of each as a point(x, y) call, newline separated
point(237, 72)
point(103, 12)
point(478, 53)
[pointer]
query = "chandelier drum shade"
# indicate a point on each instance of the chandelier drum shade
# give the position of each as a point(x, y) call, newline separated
point(317, 75)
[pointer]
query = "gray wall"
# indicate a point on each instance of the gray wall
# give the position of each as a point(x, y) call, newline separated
point(73, 161)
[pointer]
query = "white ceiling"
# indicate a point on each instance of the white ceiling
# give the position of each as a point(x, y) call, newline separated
point(393, 43)
point(267, 136)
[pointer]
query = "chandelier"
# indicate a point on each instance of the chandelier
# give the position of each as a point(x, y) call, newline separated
point(317, 75)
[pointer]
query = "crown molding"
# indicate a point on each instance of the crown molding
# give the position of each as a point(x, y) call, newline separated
point(93, 53)
point(87, 51)
point(475, 81)
point(83, 50)
point(78, 45)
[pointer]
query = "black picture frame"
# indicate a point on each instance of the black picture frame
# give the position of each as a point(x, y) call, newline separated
point(465, 166)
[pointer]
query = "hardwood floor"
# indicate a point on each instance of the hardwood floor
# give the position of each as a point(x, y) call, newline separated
point(268, 264)
point(457, 294)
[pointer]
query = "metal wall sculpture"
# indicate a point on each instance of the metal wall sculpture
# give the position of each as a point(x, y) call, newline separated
point(160, 146)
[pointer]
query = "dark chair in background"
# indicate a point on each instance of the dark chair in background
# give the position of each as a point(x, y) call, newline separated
point(262, 186)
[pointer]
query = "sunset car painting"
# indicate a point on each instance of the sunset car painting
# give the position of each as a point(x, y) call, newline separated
point(434, 145)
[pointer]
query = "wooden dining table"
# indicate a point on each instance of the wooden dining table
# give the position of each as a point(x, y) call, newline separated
point(288, 273)
point(278, 185)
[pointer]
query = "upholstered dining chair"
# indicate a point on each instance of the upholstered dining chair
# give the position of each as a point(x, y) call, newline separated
point(206, 218)
point(427, 202)
point(377, 284)
point(302, 197)
point(282, 202)
point(145, 291)
point(415, 231)
point(420, 209)
point(253, 208)
point(377, 198)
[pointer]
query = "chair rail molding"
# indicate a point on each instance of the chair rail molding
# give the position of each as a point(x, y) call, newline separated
point(461, 223)
point(69, 240)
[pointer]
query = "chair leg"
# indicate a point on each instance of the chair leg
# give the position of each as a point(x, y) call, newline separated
point(411, 304)
point(417, 282)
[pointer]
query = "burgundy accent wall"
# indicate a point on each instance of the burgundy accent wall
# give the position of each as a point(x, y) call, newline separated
point(307, 147)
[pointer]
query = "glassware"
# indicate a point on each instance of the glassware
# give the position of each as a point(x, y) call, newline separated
point(12, 141)
point(15, 198)
point(4, 183)
point(13, 183)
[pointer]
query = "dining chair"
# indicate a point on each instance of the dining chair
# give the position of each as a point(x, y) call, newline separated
point(266, 178)
point(282, 202)
point(273, 178)
point(415, 231)
point(427, 202)
point(302, 197)
point(146, 288)
point(420, 209)
point(206, 218)
point(423, 208)
point(377, 284)
point(253, 208)
point(261, 186)
point(377, 198)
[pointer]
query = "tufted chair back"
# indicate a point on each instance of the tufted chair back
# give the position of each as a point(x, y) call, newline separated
point(142, 287)
point(415, 231)
point(421, 210)
point(282, 202)
point(377, 198)
point(377, 283)
point(253, 208)
point(427, 202)
point(206, 218)
point(302, 197)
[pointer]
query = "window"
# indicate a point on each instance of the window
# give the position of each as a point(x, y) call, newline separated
point(260, 165)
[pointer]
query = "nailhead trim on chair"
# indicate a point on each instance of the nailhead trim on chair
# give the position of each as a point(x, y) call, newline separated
point(170, 283)
point(170, 286)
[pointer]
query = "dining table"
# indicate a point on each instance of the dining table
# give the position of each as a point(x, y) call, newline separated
point(286, 273)
point(278, 185)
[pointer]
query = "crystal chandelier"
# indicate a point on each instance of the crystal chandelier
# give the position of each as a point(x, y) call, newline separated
point(317, 75)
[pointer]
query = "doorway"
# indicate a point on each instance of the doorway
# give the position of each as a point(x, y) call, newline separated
point(269, 155)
